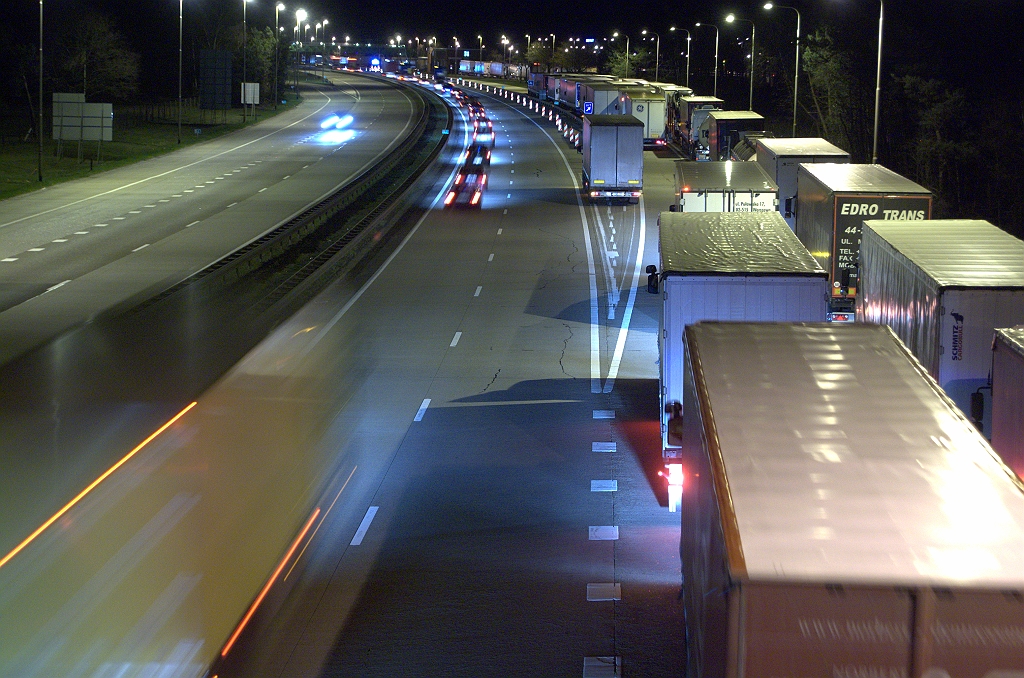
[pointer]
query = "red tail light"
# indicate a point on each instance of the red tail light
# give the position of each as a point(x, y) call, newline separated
point(448, 200)
point(476, 198)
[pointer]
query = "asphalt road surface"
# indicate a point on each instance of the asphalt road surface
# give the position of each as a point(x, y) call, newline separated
point(449, 470)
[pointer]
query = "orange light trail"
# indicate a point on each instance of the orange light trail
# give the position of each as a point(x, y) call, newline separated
point(270, 582)
point(67, 507)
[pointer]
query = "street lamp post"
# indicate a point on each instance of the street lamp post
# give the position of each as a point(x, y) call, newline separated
point(615, 35)
point(245, 31)
point(878, 83)
point(698, 24)
point(300, 16)
point(39, 130)
point(796, 69)
point(657, 51)
point(552, 44)
point(480, 38)
point(181, 11)
point(730, 19)
point(323, 49)
point(278, 8)
point(687, 53)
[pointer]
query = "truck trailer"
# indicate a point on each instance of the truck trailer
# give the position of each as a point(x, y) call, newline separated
point(691, 112)
point(647, 105)
point(780, 159)
point(726, 267)
point(1008, 396)
point(724, 187)
point(944, 287)
point(833, 200)
point(724, 128)
point(840, 516)
point(613, 157)
point(603, 97)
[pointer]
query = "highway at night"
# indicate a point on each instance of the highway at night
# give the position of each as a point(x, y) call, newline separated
point(458, 454)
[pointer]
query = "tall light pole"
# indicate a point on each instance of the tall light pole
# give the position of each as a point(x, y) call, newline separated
point(300, 16)
point(657, 51)
point(687, 53)
point(552, 44)
point(39, 130)
point(181, 11)
point(278, 8)
point(615, 35)
point(699, 24)
point(796, 69)
point(730, 19)
point(481, 51)
point(323, 48)
point(245, 31)
point(878, 82)
point(527, 43)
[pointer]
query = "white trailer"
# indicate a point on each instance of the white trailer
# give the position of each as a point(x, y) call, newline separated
point(780, 158)
point(648, 106)
point(944, 286)
point(840, 517)
point(1008, 397)
point(605, 97)
point(727, 267)
point(724, 187)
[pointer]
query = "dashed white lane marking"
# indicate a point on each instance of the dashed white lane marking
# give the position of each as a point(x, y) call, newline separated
point(261, 190)
point(231, 205)
point(455, 339)
point(210, 182)
point(9, 259)
point(149, 206)
point(36, 249)
point(81, 232)
point(53, 287)
point(163, 200)
point(423, 410)
point(509, 182)
point(217, 178)
point(513, 172)
point(200, 186)
point(177, 195)
point(192, 224)
point(119, 218)
point(364, 526)
point(479, 288)
point(285, 177)
point(60, 240)
point(602, 447)
point(604, 414)
point(604, 591)
point(505, 211)
point(134, 211)
point(490, 257)
point(604, 485)
point(141, 247)
point(189, 190)
point(602, 667)
point(305, 166)
point(509, 195)
point(604, 532)
point(499, 231)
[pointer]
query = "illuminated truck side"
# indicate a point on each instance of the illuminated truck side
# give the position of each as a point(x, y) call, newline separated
point(840, 516)
point(833, 201)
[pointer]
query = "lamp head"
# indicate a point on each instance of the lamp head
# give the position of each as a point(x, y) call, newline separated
point(643, 32)
point(768, 5)
point(729, 19)
point(300, 15)
point(280, 7)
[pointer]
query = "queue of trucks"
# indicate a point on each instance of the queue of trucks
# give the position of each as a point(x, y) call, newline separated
point(841, 515)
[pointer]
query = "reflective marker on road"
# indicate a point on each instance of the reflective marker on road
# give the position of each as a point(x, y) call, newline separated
point(490, 257)
point(140, 247)
point(601, 592)
point(604, 532)
point(479, 288)
point(423, 408)
point(499, 231)
point(455, 339)
point(364, 526)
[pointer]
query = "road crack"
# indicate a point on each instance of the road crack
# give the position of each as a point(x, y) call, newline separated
point(565, 348)
point(493, 379)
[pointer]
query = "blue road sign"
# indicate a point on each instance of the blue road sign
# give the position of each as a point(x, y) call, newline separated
point(588, 108)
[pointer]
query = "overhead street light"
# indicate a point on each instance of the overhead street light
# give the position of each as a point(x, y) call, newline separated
point(657, 51)
point(552, 43)
point(699, 24)
point(796, 69)
point(687, 53)
point(278, 8)
point(615, 35)
point(730, 19)
point(878, 83)
point(300, 16)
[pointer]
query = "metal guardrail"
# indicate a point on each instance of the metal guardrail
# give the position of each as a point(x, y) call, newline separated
point(567, 122)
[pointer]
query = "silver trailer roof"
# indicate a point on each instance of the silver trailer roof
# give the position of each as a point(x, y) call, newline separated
point(1013, 338)
point(851, 178)
point(815, 146)
point(701, 99)
point(720, 243)
point(723, 175)
point(957, 253)
point(735, 115)
point(648, 93)
point(840, 461)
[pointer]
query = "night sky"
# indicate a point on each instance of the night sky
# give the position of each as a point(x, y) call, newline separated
point(974, 43)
